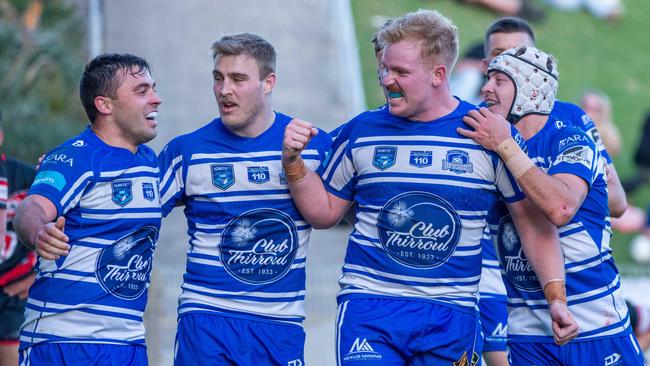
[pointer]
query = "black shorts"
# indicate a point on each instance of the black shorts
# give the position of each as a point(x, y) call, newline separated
point(12, 316)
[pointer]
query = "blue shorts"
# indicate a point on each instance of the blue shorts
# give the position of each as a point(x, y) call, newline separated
point(211, 339)
point(615, 351)
point(494, 323)
point(83, 354)
point(384, 331)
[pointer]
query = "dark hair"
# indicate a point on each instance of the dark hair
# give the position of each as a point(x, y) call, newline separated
point(509, 25)
point(103, 76)
point(247, 44)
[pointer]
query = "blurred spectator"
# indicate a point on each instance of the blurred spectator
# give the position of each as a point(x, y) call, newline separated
point(521, 8)
point(641, 159)
point(16, 261)
point(598, 106)
point(604, 9)
point(467, 78)
point(640, 321)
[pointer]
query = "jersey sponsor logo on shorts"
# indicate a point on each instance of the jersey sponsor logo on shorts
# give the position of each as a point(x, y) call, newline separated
point(258, 174)
point(361, 350)
point(384, 157)
point(51, 178)
point(512, 259)
point(122, 268)
point(613, 359)
point(421, 159)
point(122, 192)
point(259, 246)
point(501, 330)
point(223, 175)
point(419, 229)
point(148, 191)
point(458, 162)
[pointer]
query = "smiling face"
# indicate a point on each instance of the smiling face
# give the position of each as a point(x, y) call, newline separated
point(408, 80)
point(135, 108)
point(241, 95)
point(499, 92)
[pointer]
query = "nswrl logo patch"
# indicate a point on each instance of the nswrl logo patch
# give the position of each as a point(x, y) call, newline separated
point(122, 192)
point(384, 157)
point(223, 175)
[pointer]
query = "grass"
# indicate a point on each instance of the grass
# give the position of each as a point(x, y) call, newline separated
point(612, 57)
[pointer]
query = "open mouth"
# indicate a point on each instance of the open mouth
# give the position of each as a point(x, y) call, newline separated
point(490, 102)
point(394, 92)
point(151, 116)
point(228, 107)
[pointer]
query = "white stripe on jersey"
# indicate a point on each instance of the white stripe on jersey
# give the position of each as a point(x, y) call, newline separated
point(276, 155)
point(124, 215)
point(240, 305)
point(430, 139)
point(424, 180)
point(132, 170)
point(408, 278)
point(54, 305)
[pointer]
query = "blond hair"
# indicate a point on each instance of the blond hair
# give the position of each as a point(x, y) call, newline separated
point(437, 34)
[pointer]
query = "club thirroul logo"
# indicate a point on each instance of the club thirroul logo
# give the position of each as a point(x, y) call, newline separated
point(259, 246)
point(419, 229)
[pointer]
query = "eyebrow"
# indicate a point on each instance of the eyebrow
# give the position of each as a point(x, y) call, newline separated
point(145, 86)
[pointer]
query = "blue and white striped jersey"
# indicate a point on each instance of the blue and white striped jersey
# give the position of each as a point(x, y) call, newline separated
point(592, 279)
point(491, 285)
point(423, 193)
point(109, 198)
point(248, 243)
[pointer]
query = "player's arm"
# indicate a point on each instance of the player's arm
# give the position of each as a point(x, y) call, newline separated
point(616, 198)
point(35, 227)
point(540, 242)
point(559, 196)
point(319, 207)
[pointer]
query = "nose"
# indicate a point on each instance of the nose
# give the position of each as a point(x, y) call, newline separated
point(385, 77)
point(224, 87)
point(488, 87)
point(155, 99)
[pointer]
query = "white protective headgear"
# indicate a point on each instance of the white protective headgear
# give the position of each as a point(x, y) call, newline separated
point(534, 74)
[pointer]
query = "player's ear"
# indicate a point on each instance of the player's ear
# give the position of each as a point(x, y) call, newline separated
point(269, 83)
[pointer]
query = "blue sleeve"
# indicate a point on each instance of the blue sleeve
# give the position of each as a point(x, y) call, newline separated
point(339, 174)
point(323, 144)
point(63, 176)
point(172, 177)
point(573, 152)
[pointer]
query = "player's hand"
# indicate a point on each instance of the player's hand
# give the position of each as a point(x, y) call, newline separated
point(51, 241)
point(21, 287)
point(565, 327)
point(297, 135)
point(489, 129)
